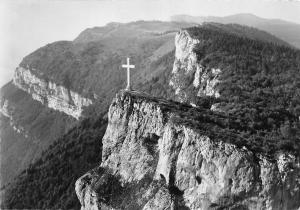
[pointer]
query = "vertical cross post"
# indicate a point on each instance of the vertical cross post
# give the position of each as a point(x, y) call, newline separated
point(128, 67)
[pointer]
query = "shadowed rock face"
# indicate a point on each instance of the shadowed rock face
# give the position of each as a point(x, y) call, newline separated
point(27, 128)
point(157, 160)
point(28, 123)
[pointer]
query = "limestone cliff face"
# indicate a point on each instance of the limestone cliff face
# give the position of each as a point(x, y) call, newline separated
point(53, 95)
point(189, 78)
point(160, 161)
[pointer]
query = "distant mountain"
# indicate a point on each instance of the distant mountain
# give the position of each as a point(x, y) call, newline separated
point(287, 31)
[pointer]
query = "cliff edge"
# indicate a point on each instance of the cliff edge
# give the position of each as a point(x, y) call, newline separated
point(160, 154)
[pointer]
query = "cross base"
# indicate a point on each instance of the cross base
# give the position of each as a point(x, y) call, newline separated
point(128, 88)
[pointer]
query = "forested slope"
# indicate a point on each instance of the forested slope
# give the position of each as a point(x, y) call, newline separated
point(259, 83)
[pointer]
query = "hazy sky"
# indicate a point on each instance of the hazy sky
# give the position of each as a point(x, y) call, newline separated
point(26, 25)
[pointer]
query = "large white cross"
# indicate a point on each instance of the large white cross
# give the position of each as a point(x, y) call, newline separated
point(128, 66)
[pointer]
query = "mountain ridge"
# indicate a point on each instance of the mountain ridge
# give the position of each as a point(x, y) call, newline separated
point(282, 29)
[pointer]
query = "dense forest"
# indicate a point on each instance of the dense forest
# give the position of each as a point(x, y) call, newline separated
point(259, 85)
point(50, 181)
point(255, 73)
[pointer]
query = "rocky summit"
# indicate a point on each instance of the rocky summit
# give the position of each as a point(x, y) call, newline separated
point(158, 154)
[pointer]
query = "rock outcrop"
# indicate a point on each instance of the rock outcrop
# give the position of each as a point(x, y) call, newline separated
point(189, 78)
point(7, 110)
point(158, 155)
point(50, 94)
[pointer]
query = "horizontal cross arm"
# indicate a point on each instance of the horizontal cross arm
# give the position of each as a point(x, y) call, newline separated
point(128, 66)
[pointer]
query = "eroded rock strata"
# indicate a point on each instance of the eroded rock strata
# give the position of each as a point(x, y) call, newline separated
point(51, 94)
point(158, 155)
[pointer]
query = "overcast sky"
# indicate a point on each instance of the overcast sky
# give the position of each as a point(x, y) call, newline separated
point(26, 25)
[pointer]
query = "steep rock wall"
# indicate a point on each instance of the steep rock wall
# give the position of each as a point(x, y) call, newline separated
point(53, 95)
point(146, 139)
point(189, 78)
